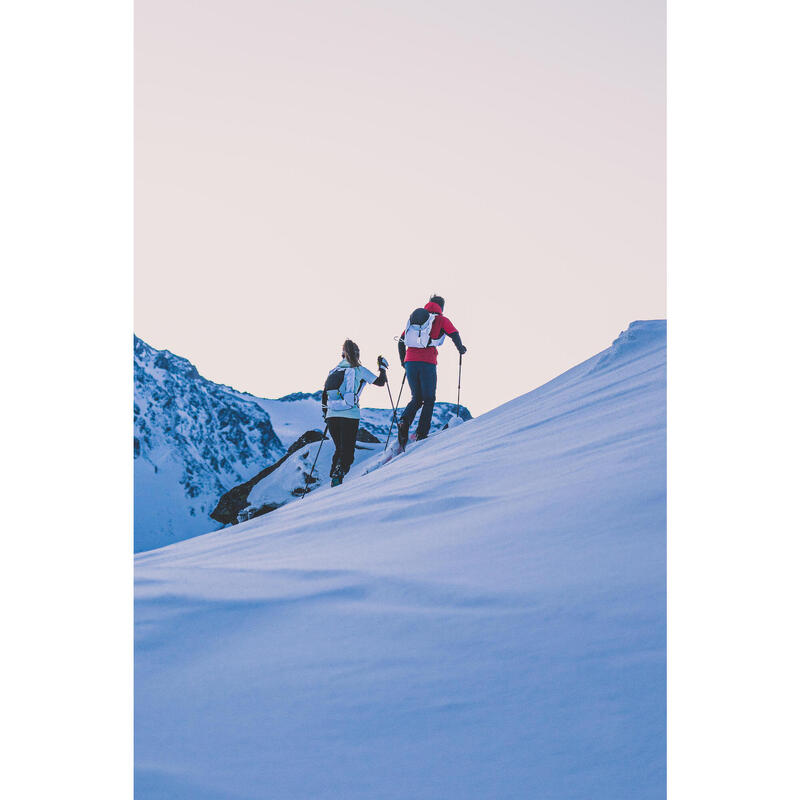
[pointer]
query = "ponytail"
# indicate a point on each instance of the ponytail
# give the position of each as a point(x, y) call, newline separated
point(351, 352)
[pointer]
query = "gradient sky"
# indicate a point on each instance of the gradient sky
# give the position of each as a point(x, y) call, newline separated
point(311, 170)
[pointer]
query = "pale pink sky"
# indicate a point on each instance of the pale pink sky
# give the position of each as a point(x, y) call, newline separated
point(311, 170)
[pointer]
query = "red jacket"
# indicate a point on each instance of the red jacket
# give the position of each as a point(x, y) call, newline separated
point(440, 326)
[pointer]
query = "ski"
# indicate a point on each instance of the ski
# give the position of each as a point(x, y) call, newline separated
point(395, 451)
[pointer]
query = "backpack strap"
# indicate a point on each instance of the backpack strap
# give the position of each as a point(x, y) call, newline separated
point(360, 389)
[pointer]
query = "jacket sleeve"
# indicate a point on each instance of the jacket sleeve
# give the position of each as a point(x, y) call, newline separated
point(447, 326)
point(456, 337)
point(451, 331)
point(324, 404)
point(401, 348)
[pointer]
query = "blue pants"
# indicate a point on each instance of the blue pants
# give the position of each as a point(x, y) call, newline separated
point(421, 377)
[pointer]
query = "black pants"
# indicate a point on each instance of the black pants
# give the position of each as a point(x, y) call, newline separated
point(421, 377)
point(343, 432)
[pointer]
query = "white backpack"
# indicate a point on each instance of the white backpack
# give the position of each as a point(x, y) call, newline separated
point(419, 335)
point(342, 396)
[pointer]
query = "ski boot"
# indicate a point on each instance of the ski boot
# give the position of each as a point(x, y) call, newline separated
point(402, 433)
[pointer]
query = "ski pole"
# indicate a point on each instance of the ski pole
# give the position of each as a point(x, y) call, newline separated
point(394, 413)
point(390, 397)
point(458, 412)
point(311, 475)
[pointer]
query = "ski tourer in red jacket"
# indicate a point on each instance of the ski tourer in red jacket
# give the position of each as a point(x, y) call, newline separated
point(424, 332)
point(441, 327)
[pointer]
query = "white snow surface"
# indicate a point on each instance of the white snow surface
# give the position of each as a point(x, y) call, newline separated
point(292, 418)
point(483, 617)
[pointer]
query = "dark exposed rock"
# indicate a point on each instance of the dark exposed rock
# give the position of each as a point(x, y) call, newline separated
point(232, 502)
point(172, 363)
point(252, 513)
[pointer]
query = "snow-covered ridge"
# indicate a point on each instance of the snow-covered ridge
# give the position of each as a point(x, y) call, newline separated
point(482, 617)
point(289, 398)
point(639, 338)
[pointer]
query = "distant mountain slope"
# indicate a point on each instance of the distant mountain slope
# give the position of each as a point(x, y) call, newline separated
point(299, 412)
point(194, 440)
point(483, 617)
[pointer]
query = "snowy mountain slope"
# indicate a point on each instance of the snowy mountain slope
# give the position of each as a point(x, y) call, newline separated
point(193, 440)
point(484, 617)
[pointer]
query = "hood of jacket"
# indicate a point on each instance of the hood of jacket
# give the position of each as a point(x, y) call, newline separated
point(434, 308)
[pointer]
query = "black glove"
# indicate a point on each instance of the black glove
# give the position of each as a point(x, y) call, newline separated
point(382, 363)
point(461, 349)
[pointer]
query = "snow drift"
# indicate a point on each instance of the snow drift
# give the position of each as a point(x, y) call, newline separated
point(481, 617)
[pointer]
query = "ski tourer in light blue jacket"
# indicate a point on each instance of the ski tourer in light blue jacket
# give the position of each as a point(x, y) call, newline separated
point(343, 400)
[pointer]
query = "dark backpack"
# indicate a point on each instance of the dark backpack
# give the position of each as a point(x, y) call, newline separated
point(334, 379)
point(341, 392)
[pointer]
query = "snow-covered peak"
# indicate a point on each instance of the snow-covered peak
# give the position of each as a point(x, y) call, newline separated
point(639, 338)
point(152, 360)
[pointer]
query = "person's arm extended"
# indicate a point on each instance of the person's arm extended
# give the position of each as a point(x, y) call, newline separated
point(455, 336)
point(401, 348)
point(382, 365)
point(452, 332)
